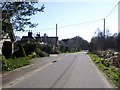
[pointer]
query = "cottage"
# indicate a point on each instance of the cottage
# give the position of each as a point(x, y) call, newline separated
point(28, 37)
point(47, 40)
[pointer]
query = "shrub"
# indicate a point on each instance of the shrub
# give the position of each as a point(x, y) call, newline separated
point(119, 78)
point(3, 59)
point(56, 52)
point(46, 48)
point(62, 48)
point(106, 63)
point(41, 53)
point(46, 54)
point(33, 55)
point(20, 52)
point(29, 47)
point(7, 49)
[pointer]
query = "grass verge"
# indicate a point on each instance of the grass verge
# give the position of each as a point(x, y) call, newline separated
point(112, 73)
point(11, 64)
point(14, 63)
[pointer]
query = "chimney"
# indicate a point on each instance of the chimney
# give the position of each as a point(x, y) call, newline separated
point(38, 34)
point(30, 34)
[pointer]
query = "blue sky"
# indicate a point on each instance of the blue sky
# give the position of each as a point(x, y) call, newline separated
point(70, 13)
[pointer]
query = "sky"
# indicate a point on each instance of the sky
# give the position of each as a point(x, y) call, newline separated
point(75, 16)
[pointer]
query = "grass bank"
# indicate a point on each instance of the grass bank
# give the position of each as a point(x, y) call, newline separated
point(11, 64)
point(14, 63)
point(112, 73)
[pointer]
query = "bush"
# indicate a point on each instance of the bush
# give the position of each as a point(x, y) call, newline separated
point(20, 52)
point(119, 78)
point(46, 48)
point(29, 47)
point(62, 48)
point(33, 55)
point(46, 54)
point(7, 49)
point(56, 52)
point(41, 53)
point(3, 60)
point(106, 63)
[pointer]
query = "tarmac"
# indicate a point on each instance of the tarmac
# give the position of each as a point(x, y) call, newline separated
point(7, 77)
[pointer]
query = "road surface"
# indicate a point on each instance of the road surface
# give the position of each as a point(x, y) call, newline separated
point(74, 70)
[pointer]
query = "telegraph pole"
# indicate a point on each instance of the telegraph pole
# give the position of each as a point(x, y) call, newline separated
point(119, 17)
point(104, 28)
point(104, 35)
point(56, 35)
point(56, 29)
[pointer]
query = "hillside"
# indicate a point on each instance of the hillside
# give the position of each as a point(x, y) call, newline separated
point(73, 44)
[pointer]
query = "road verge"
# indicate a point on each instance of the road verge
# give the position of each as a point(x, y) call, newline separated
point(110, 71)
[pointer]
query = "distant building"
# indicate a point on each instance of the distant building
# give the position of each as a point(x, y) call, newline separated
point(42, 39)
point(47, 40)
point(38, 38)
point(27, 37)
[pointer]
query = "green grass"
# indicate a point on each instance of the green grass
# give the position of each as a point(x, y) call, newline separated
point(11, 64)
point(111, 72)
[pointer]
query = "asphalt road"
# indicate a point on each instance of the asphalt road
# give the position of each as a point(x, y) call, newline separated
point(73, 70)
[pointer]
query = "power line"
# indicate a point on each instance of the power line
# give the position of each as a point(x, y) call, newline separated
point(48, 28)
point(73, 24)
point(91, 21)
point(109, 15)
point(80, 23)
point(112, 10)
